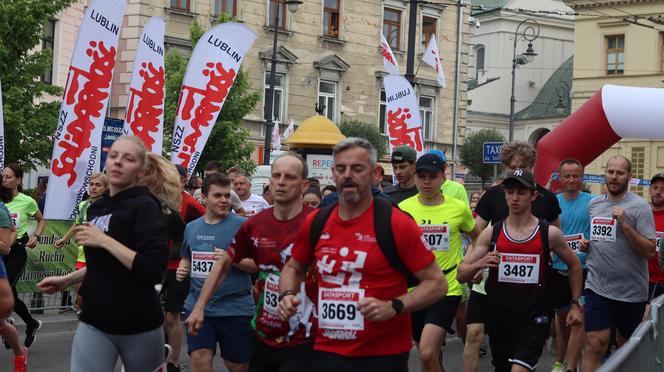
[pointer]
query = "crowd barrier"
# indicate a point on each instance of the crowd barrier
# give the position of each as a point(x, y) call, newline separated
point(644, 351)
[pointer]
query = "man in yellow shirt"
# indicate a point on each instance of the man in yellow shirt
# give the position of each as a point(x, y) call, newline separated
point(442, 219)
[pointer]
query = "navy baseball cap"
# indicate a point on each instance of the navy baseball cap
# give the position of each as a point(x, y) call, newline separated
point(430, 162)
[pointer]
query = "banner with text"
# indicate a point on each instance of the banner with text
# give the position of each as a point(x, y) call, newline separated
point(145, 104)
point(78, 134)
point(389, 61)
point(112, 130)
point(210, 75)
point(46, 260)
point(402, 114)
point(2, 134)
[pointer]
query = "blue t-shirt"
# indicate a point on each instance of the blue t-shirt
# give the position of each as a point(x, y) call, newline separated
point(233, 297)
point(574, 220)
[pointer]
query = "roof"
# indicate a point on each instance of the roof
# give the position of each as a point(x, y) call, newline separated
point(489, 5)
point(544, 105)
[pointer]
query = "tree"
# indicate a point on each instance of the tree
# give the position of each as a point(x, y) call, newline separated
point(471, 152)
point(228, 143)
point(30, 119)
point(357, 128)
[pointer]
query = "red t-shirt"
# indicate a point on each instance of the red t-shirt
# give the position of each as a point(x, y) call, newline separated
point(190, 210)
point(656, 274)
point(269, 242)
point(348, 261)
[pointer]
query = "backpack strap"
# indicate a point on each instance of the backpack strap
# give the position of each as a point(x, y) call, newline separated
point(385, 238)
point(318, 223)
point(544, 234)
point(497, 227)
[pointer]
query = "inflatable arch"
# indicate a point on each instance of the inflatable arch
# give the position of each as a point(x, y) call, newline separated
point(613, 113)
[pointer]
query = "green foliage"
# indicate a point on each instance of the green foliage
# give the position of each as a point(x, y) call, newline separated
point(471, 152)
point(228, 141)
point(370, 132)
point(29, 120)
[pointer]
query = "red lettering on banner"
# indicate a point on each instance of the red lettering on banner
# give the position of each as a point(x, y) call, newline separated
point(89, 103)
point(435, 57)
point(386, 54)
point(400, 134)
point(143, 118)
point(215, 92)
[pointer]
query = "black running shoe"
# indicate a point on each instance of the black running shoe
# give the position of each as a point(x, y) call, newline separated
point(31, 332)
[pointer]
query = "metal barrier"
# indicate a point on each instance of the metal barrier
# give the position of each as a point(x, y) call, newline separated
point(37, 302)
point(644, 351)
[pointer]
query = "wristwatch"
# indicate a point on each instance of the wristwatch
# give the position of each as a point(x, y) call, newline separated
point(575, 302)
point(397, 305)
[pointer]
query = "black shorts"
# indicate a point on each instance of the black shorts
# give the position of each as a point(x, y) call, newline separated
point(521, 345)
point(330, 362)
point(601, 313)
point(478, 308)
point(561, 291)
point(174, 293)
point(296, 358)
point(441, 313)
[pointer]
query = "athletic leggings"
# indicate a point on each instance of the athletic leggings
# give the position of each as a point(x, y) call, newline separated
point(94, 350)
point(15, 265)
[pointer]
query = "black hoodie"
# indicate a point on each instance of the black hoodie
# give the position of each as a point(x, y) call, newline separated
point(118, 300)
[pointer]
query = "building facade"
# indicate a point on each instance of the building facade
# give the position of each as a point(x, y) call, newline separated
point(327, 55)
point(538, 86)
point(622, 43)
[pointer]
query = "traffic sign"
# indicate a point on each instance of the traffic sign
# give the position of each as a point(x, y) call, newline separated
point(491, 152)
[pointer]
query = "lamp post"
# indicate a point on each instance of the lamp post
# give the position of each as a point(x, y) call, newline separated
point(410, 54)
point(269, 123)
point(563, 92)
point(529, 32)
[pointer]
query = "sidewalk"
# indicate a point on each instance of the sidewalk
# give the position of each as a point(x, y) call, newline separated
point(52, 321)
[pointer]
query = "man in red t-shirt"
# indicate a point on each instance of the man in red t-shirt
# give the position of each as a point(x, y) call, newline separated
point(363, 302)
point(267, 239)
point(656, 274)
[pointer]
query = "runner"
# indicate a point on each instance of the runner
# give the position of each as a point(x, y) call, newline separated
point(656, 274)
point(267, 238)
point(403, 166)
point(229, 310)
point(443, 219)
point(517, 253)
point(576, 229)
point(97, 186)
point(363, 302)
point(251, 203)
point(451, 188)
point(312, 198)
point(492, 208)
point(213, 167)
point(622, 240)
point(126, 250)
point(7, 330)
point(21, 207)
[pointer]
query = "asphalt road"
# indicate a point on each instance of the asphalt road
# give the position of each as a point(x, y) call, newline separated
point(52, 350)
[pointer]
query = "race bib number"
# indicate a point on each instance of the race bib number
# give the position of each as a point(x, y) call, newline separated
point(574, 242)
point(201, 264)
point(659, 235)
point(437, 236)
point(519, 268)
point(16, 219)
point(603, 229)
point(271, 294)
point(337, 309)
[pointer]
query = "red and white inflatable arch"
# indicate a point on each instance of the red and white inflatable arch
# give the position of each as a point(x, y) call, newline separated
point(613, 113)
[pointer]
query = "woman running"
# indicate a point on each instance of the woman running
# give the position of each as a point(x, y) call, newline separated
point(21, 207)
point(126, 247)
point(7, 330)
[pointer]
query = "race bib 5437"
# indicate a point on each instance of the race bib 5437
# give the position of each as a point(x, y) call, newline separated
point(201, 264)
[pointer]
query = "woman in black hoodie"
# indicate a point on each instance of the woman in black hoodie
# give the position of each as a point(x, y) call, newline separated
point(126, 246)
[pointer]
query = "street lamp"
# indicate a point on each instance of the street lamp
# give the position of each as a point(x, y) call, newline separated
point(269, 123)
point(563, 93)
point(529, 32)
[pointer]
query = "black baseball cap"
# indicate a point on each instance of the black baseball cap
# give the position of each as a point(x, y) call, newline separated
point(430, 162)
point(403, 153)
point(657, 177)
point(523, 177)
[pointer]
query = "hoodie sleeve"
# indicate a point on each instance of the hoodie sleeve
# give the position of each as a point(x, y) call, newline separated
point(151, 243)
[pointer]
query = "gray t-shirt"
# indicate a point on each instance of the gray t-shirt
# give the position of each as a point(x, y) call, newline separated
point(615, 270)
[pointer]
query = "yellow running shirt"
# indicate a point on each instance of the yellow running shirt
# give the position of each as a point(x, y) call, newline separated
point(442, 226)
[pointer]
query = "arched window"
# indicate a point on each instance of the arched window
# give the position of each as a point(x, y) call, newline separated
point(479, 60)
